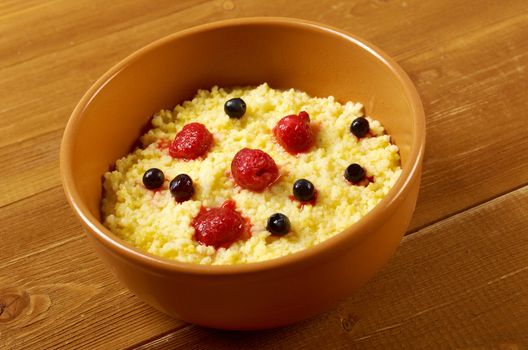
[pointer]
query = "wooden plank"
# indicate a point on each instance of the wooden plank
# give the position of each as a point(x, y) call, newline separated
point(41, 29)
point(12, 7)
point(473, 89)
point(460, 283)
point(33, 167)
point(55, 74)
point(83, 21)
point(54, 290)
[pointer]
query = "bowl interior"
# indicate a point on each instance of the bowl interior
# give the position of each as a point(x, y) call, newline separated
point(319, 61)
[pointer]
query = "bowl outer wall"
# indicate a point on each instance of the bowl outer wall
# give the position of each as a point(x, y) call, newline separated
point(143, 67)
point(265, 300)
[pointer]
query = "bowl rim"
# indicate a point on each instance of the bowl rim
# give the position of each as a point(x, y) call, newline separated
point(356, 232)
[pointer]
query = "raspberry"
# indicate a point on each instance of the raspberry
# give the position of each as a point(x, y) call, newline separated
point(294, 133)
point(193, 141)
point(220, 227)
point(254, 169)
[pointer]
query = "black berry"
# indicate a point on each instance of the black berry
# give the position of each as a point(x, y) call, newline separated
point(354, 173)
point(181, 188)
point(360, 127)
point(278, 224)
point(303, 190)
point(235, 107)
point(153, 178)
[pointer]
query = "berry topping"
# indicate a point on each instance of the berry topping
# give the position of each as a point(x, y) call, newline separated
point(153, 178)
point(181, 188)
point(354, 173)
point(254, 169)
point(193, 141)
point(278, 224)
point(294, 133)
point(359, 127)
point(235, 108)
point(219, 227)
point(303, 190)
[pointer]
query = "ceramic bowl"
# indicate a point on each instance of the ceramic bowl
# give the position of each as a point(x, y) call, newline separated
point(285, 53)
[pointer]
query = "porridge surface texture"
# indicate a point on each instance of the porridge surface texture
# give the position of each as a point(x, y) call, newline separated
point(153, 221)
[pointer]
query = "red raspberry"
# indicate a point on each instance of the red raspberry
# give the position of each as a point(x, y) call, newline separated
point(294, 133)
point(220, 227)
point(193, 141)
point(254, 169)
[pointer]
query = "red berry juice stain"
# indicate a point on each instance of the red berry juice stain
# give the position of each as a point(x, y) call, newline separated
point(163, 144)
point(301, 204)
point(365, 181)
point(159, 189)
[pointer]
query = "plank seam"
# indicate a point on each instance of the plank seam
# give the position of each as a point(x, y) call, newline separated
point(98, 38)
point(457, 212)
point(3, 206)
point(158, 337)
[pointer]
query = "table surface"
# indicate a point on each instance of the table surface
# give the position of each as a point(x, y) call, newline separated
point(460, 276)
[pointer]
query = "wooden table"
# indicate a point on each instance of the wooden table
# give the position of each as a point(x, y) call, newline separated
point(460, 277)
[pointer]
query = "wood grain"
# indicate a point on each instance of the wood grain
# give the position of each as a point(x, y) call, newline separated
point(460, 283)
point(34, 167)
point(55, 292)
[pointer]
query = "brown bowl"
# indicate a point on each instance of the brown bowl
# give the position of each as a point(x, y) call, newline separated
point(286, 53)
